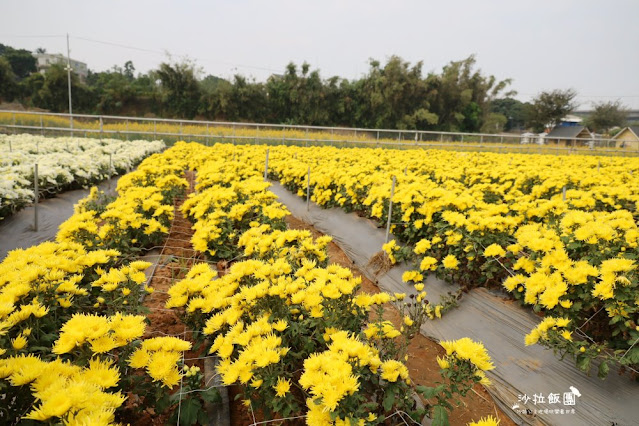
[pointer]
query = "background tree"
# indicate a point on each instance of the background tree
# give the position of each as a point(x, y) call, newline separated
point(514, 111)
point(494, 123)
point(606, 115)
point(8, 84)
point(210, 83)
point(129, 70)
point(30, 90)
point(22, 61)
point(247, 100)
point(462, 95)
point(179, 89)
point(395, 96)
point(548, 108)
point(53, 93)
point(114, 92)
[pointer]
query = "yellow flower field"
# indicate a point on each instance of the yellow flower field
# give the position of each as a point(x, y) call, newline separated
point(559, 233)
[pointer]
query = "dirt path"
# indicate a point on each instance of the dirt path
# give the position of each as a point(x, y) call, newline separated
point(422, 352)
point(176, 258)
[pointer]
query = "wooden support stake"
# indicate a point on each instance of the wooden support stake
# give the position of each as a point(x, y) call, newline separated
point(35, 197)
point(308, 189)
point(390, 210)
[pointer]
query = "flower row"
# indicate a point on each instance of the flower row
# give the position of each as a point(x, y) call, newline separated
point(63, 163)
point(559, 233)
point(296, 333)
point(70, 310)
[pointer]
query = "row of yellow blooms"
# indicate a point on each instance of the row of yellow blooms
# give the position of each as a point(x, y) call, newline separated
point(281, 309)
point(559, 233)
point(68, 309)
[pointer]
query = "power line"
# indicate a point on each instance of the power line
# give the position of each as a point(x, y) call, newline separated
point(32, 36)
point(607, 96)
point(587, 96)
point(165, 52)
point(118, 45)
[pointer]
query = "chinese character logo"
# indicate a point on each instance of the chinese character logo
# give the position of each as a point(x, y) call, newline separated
point(570, 398)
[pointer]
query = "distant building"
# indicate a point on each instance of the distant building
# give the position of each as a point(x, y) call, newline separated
point(570, 120)
point(45, 60)
point(537, 138)
point(569, 136)
point(628, 138)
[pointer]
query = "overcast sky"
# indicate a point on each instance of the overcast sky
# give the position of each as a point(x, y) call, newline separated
point(591, 46)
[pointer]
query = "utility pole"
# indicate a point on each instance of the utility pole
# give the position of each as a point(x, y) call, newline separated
point(69, 80)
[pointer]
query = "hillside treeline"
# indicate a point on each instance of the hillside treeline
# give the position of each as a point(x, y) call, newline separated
point(394, 95)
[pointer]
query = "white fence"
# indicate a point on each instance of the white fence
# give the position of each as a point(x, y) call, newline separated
point(207, 132)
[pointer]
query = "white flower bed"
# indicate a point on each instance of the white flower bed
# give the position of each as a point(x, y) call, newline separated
point(63, 163)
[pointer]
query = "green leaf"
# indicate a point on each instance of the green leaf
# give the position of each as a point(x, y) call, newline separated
point(163, 403)
point(189, 411)
point(49, 337)
point(583, 363)
point(389, 399)
point(212, 396)
point(202, 417)
point(39, 349)
point(633, 355)
point(440, 416)
point(428, 392)
point(603, 370)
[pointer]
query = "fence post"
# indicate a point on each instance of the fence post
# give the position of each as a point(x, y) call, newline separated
point(127, 129)
point(37, 147)
point(14, 122)
point(266, 166)
point(35, 197)
point(154, 129)
point(101, 128)
point(10, 146)
point(206, 141)
point(110, 167)
point(41, 127)
point(308, 189)
point(233, 134)
point(598, 165)
point(563, 194)
point(390, 210)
